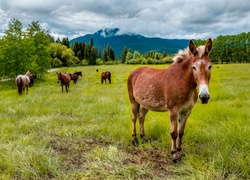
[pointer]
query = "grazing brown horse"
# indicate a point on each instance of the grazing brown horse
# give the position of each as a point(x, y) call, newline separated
point(64, 79)
point(74, 77)
point(22, 82)
point(172, 89)
point(106, 75)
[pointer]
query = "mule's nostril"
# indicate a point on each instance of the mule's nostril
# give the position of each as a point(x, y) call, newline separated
point(204, 98)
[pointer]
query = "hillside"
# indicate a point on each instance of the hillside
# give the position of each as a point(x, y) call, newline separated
point(134, 41)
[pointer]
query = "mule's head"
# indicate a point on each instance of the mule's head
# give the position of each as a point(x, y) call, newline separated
point(202, 68)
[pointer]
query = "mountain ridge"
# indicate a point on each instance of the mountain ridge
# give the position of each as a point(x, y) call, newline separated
point(117, 42)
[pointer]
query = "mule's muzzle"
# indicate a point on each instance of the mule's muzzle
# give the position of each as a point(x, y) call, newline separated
point(204, 98)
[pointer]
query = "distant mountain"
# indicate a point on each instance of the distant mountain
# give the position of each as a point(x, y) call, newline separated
point(143, 44)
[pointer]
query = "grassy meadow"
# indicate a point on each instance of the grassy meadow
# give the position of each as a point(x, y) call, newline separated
point(86, 133)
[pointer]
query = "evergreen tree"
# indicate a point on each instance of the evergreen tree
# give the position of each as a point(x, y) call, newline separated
point(124, 53)
point(93, 56)
point(87, 51)
point(58, 40)
point(82, 48)
point(108, 54)
point(105, 54)
point(79, 49)
point(91, 43)
point(65, 42)
point(75, 47)
point(111, 54)
point(51, 38)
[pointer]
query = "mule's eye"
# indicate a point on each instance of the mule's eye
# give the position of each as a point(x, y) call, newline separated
point(209, 67)
point(194, 68)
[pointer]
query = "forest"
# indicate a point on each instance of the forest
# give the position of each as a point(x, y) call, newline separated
point(35, 49)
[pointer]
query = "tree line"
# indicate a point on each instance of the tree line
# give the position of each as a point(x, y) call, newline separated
point(23, 50)
point(232, 48)
point(226, 49)
point(36, 50)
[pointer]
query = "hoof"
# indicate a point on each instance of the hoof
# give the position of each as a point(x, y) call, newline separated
point(177, 160)
point(135, 141)
point(180, 152)
point(177, 157)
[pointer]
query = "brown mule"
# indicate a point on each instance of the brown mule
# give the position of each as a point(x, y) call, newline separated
point(172, 89)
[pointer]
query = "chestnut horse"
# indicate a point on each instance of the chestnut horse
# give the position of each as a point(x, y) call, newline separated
point(64, 79)
point(171, 89)
point(22, 82)
point(106, 75)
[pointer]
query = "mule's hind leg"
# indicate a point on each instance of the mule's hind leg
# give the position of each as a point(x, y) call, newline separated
point(142, 114)
point(135, 106)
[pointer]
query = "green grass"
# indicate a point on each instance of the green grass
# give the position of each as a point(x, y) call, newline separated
point(86, 133)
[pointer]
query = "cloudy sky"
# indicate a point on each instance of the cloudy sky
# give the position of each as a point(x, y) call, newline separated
point(189, 19)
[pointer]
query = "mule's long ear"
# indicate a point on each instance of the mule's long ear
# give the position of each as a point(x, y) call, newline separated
point(208, 46)
point(192, 48)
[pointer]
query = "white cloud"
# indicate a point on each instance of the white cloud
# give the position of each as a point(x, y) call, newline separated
point(160, 18)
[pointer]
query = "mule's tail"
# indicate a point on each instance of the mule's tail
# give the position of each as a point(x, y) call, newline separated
point(19, 86)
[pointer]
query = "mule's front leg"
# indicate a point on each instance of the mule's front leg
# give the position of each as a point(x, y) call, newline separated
point(182, 122)
point(174, 134)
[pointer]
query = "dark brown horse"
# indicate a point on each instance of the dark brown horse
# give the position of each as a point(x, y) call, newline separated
point(172, 89)
point(106, 75)
point(22, 82)
point(64, 79)
point(74, 77)
point(79, 73)
point(32, 80)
